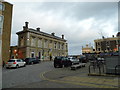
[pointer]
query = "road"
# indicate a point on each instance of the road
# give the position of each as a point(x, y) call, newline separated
point(44, 75)
point(24, 75)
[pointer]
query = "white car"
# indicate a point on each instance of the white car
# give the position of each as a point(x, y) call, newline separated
point(15, 63)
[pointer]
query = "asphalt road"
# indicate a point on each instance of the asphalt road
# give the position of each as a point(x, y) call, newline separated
point(24, 75)
point(44, 75)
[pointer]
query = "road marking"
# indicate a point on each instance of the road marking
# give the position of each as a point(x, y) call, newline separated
point(94, 84)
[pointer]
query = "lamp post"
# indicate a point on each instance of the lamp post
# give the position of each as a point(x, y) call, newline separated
point(15, 52)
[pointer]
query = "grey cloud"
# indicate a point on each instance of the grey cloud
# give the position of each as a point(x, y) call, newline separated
point(82, 10)
point(70, 19)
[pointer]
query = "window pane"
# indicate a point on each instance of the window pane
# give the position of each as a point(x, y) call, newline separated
point(1, 24)
point(2, 7)
point(0, 49)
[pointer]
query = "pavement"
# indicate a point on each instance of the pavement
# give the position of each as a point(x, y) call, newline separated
point(0, 77)
point(80, 77)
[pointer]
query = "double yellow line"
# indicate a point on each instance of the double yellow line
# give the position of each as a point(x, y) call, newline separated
point(75, 83)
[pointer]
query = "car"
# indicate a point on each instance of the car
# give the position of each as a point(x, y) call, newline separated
point(15, 63)
point(60, 61)
point(83, 60)
point(100, 59)
point(73, 60)
point(31, 60)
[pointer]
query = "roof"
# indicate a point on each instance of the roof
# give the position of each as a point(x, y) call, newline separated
point(40, 33)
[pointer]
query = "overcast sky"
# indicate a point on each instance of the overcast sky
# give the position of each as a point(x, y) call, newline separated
point(80, 22)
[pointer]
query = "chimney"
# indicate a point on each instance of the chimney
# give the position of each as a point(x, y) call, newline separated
point(24, 28)
point(62, 36)
point(38, 29)
point(53, 34)
point(26, 24)
point(112, 35)
point(103, 37)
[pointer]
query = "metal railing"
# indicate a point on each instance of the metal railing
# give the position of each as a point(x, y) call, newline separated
point(116, 69)
point(97, 65)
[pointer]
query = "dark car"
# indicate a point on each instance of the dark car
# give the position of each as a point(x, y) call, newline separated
point(32, 60)
point(61, 61)
point(83, 60)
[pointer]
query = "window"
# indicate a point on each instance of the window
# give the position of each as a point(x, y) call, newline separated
point(22, 41)
point(39, 42)
point(55, 45)
point(18, 61)
point(0, 49)
point(11, 60)
point(32, 54)
point(46, 44)
point(1, 23)
point(58, 45)
point(2, 7)
point(62, 46)
point(98, 49)
point(98, 43)
point(33, 41)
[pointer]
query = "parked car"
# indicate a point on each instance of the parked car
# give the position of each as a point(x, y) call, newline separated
point(15, 63)
point(99, 59)
point(32, 60)
point(61, 61)
point(83, 60)
point(73, 60)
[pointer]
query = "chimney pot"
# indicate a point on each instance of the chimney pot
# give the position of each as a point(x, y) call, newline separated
point(62, 36)
point(24, 27)
point(53, 34)
point(38, 29)
point(112, 35)
point(26, 24)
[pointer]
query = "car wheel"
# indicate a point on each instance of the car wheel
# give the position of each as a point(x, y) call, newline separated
point(32, 63)
point(7, 67)
point(17, 66)
point(55, 65)
point(24, 65)
point(61, 66)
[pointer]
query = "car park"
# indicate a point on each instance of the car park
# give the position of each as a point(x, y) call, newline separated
point(32, 60)
point(15, 63)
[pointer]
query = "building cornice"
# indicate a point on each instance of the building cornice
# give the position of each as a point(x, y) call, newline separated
point(40, 33)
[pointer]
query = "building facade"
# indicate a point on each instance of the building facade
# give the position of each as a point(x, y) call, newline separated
point(35, 43)
point(108, 44)
point(5, 29)
point(87, 49)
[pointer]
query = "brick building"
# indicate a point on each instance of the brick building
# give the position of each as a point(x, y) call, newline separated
point(110, 44)
point(5, 30)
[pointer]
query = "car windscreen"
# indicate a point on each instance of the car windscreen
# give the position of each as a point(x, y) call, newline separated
point(58, 58)
point(11, 61)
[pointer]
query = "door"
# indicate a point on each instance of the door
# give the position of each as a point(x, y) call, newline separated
point(39, 55)
point(32, 54)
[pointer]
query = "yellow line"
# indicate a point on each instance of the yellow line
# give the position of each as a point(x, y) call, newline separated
point(82, 84)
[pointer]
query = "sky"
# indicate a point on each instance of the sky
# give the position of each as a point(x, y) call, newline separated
point(80, 22)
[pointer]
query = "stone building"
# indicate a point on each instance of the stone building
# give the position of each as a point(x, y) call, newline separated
point(5, 30)
point(110, 44)
point(35, 43)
